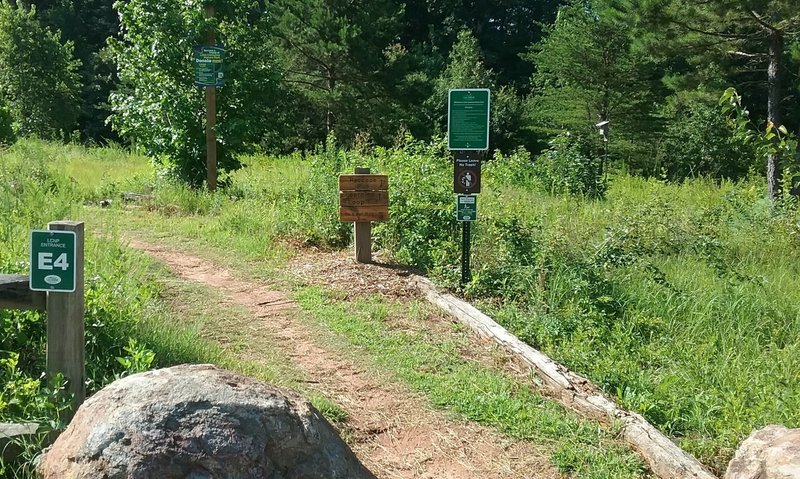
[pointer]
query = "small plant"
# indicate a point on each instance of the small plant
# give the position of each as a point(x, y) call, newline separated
point(567, 167)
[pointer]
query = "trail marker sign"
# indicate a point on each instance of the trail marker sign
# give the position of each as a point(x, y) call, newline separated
point(53, 260)
point(468, 119)
point(467, 208)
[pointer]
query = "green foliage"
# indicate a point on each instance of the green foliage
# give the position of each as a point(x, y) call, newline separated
point(7, 135)
point(157, 107)
point(698, 141)
point(338, 66)
point(568, 167)
point(423, 229)
point(588, 70)
point(38, 75)
point(772, 141)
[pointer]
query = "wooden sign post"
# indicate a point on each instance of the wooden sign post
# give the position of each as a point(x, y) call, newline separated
point(363, 198)
point(66, 343)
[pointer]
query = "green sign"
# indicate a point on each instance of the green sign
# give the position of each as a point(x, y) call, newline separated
point(52, 261)
point(208, 65)
point(468, 119)
point(467, 208)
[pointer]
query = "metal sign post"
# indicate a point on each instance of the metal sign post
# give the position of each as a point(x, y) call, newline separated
point(468, 111)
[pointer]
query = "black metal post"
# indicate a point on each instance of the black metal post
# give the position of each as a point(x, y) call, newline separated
point(466, 275)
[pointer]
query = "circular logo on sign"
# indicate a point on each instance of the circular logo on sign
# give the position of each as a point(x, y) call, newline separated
point(52, 279)
point(467, 179)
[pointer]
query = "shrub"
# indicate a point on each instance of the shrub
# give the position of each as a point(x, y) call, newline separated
point(568, 168)
point(38, 75)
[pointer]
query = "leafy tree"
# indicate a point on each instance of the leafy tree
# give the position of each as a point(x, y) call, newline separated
point(88, 24)
point(157, 107)
point(38, 75)
point(504, 29)
point(588, 72)
point(465, 69)
point(746, 36)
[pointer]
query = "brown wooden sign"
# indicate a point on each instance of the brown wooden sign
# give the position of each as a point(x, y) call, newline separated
point(363, 182)
point(364, 198)
point(362, 214)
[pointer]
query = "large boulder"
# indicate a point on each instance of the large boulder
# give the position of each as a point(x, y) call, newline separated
point(198, 422)
point(769, 453)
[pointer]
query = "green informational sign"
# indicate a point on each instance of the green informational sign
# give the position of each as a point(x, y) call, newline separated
point(208, 65)
point(467, 208)
point(468, 119)
point(52, 261)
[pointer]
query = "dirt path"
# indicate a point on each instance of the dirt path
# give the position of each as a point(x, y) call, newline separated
point(396, 434)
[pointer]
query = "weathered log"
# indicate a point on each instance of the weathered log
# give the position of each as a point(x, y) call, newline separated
point(136, 197)
point(664, 457)
point(16, 294)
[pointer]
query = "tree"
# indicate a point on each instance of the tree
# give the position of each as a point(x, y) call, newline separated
point(588, 72)
point(88, 24)
point(335, 55)
point(38, 75)
point(156, 105)
point(466, 69)
point(752, 35)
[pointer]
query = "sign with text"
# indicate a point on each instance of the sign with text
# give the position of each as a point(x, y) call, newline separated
point(363, 198)
point(53, 261)
point(467, 208)
point(467, 174)
point(208, 65)
point(468, 119)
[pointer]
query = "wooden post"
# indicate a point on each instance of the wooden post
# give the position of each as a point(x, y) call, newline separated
point(211, 116)
point(65, 331)
point(363, 233)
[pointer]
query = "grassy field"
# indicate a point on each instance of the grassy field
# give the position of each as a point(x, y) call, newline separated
point(679, 300)
point(139, 313)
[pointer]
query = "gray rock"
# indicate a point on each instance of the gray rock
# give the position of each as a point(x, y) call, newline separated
point(198, 422)
point(769, 453)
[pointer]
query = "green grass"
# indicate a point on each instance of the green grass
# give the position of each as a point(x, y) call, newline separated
point(679, 300)
point(434, 365)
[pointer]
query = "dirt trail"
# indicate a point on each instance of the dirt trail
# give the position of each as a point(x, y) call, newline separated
point(395, 433)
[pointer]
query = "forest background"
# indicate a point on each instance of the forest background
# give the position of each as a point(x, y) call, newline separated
point(98, 71)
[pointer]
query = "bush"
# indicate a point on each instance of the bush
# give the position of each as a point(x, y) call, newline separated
point(38, 76)
point(567, 167)
point(700, 142)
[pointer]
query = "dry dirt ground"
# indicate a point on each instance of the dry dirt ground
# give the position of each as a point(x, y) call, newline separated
point(395, 433)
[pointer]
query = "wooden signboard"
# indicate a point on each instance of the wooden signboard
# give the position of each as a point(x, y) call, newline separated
point(363, 198)
point(361, 214)
point(363, 182)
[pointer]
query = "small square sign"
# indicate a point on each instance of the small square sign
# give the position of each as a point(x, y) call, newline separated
point(467, 208)
point(53, 257)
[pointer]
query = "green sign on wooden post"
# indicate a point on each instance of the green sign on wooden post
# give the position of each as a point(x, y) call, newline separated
point(208, 65)
point(468, 119)
point(53, 261)
point(467, 208)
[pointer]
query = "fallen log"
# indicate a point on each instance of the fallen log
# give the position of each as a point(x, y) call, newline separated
point(665, 458)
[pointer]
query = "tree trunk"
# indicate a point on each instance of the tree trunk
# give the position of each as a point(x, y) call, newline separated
point(775, 82)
